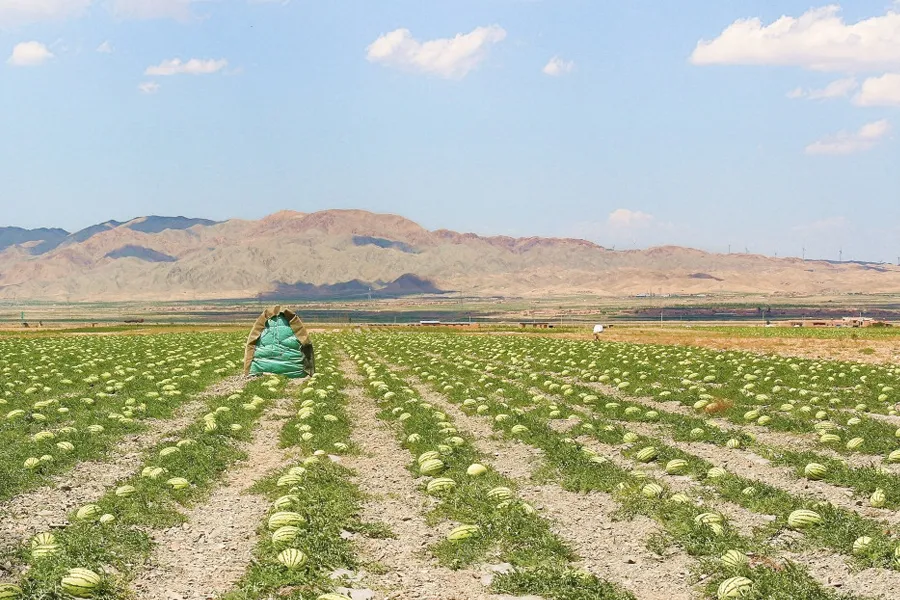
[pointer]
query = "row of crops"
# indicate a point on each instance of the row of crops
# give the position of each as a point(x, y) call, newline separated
point(610, 396)
point(105, 543)
point(660, 433)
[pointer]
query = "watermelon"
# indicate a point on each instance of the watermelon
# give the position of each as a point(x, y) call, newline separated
point(285, 502)
point(734, 587)
point(476, 470)
point(463, 532)
point(855, 443)
point(178, 483)
point(80, 583)
point(289, 480)
point(652, 490)
point(125, 491)
point(431, 466)
point(43, 539)
point(292, 558)
point(9, 591)
point(680, 498)
point(285, 535)
point(519, 429)
point(861, 545)
point(894, 456)
point(32, 463)
point(716, 472)
point(646, 454)
point(829, 438)
point(88, 512)
point(734, 559)
point(333, 596)
point(877, 499)
point(43, 550)
point(707, 518)
point(426, 456)
point(803, 518)
point(283, 518)
point(630, 437)
point(440, 484)
point(676, 466)
point(500, 493)
point(814, 471)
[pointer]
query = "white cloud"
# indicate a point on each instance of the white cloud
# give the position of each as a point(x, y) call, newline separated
point(880, 91)
point(846, 142)
point(149, 87)
point(819, 39)
point(557, 66)
point(105, 48)
point(623, 217)
point(451, 58)
point(29, 54)
point(179, 10)
point(840, 88)
point(18, 12)
point(194, 66)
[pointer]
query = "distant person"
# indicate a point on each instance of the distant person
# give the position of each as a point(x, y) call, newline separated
point(598, 329)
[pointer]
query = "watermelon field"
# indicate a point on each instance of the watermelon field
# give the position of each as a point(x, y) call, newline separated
point(444, 466)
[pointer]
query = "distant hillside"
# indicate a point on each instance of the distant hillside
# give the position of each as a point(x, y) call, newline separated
point(342, 253)
point(405, 285)
point(140, 253)
point(12, 236)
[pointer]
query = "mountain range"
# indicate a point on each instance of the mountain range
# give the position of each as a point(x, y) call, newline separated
point(358, 254)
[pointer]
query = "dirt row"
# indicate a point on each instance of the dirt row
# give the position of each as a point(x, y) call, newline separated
point(396, 500)
point(610, 549)
point(48, 506)
point(745, 463)
point(210, 552)
point(777, 440)
point(830, 569)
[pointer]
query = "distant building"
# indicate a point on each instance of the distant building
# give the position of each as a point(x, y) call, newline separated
point(844, 322)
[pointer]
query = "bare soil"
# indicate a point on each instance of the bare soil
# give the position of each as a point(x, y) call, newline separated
point(48, 506)
point(208, 553)
point(408, 573)
point(745, 463)
point(610, 549)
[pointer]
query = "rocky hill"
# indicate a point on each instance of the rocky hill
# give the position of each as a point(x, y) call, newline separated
point(348, 253)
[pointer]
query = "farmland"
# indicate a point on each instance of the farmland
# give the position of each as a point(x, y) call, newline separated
point(442, 465)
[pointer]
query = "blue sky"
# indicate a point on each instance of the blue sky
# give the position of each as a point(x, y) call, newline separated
point(602, 120)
